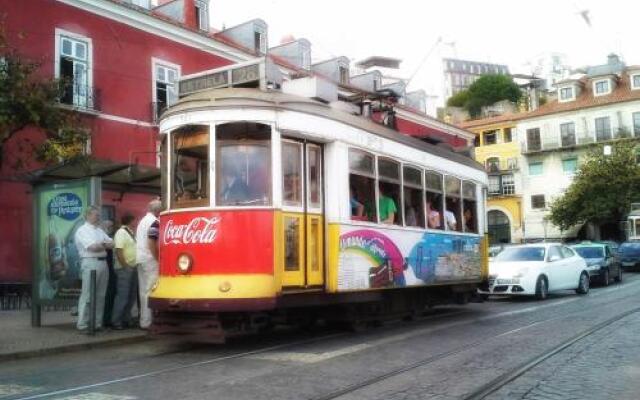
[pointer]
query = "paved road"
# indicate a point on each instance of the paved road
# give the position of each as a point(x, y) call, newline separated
point(444, 356)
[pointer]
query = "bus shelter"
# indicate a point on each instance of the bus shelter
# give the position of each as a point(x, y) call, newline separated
point(61, 195)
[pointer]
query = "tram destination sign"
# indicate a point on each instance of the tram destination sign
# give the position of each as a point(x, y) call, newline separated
point(220, 79)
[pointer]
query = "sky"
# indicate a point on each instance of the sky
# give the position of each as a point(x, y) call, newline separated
point(513, 32)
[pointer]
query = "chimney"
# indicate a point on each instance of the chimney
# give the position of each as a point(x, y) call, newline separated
point(613, 59)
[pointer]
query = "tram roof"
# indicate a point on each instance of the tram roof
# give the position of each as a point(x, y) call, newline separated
point(255, 98)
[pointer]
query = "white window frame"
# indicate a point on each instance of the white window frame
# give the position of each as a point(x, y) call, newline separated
point(504, 185)
point(631, 79)
point(609, 87)
point(154, 78)
point(203, 17)
point(571, 98)
point(59, 34)
point(306, 58)
point(263, 40)
point(595, 128)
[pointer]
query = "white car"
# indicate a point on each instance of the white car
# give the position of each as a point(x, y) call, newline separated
point(536, 269)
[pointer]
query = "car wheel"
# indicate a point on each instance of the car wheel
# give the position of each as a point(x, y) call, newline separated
point(542, 288)
point(583, 284)
point(618, 278)
point(605, 277)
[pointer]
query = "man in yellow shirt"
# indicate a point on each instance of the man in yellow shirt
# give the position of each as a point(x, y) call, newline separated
point(125, 267)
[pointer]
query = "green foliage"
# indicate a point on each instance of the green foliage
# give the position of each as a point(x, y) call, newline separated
point(485, 91)
point(602, 189)
point(459, 99)
point(28, 100)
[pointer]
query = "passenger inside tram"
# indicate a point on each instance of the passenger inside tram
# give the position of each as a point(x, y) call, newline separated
point(451, 221)
point(357, 208)
point(361, 189)
point(434, 206)
point(386, 205)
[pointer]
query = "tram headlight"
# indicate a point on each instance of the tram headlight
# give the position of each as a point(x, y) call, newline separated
point(185, 262)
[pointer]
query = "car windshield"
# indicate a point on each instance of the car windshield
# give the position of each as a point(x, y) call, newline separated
point(590, 252)
point(521, 254)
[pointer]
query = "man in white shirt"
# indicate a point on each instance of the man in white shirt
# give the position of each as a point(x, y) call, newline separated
point(92, 243)
point(450, 220)
point(147, 258)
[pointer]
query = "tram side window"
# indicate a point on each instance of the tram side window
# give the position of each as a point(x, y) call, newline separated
point(361, 185)
point(243, 164)
point(434, 199)
point(453, 208)
point(190, 166)
point(389, 192)
point(413, 202)
point(469, 207)
point(292, 174)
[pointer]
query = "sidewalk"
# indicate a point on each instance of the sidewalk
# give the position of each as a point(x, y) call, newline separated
point(57, 334)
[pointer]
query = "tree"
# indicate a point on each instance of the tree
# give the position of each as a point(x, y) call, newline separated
point(602, 189)
point(459, 99)
point(485, 91)
point(28, 100)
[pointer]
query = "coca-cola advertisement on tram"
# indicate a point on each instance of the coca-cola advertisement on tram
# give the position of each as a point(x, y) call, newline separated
point(59, 213)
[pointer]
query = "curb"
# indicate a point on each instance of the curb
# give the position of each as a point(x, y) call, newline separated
point(74, 347)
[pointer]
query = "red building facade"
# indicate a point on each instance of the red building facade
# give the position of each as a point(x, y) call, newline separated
point(124, 62)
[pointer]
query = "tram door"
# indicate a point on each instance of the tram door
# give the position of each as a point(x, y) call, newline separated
point(302, 218)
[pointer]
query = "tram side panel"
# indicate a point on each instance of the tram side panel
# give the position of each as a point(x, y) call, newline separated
point(363, 257)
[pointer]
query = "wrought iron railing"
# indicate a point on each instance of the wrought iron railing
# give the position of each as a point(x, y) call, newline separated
point(80, 96)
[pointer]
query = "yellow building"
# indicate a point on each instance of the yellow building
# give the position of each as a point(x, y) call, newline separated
point(499, 150)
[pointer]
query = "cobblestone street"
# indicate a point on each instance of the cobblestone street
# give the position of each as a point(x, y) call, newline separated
point(449, 354)
point(605, 365)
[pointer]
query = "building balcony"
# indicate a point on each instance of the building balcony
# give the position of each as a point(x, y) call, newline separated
point(80, 97)
point(579, 139)
point(492, 166)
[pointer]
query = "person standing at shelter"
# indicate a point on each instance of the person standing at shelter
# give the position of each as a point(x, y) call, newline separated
point(126, 273)
point(107, 227)
point(92, 243)
point(147, 257)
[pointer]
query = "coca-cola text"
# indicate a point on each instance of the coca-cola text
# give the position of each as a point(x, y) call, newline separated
point(199, 230)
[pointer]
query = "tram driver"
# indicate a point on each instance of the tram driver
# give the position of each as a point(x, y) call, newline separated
point(235, 189)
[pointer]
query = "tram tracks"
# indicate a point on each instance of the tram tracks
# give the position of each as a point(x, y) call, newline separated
point(351, 388)
point(510, 376)
point(502, 380)
point(226, 357)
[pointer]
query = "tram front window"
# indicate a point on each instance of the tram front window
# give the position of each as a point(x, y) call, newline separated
point(243, 165)
point(190, 166)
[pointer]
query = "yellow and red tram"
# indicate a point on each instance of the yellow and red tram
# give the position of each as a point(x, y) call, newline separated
point(261, 226)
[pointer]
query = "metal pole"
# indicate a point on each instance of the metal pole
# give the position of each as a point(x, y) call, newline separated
point(92, 303)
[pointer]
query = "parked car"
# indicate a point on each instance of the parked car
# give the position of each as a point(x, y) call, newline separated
point(602, 263)
point(495, 249)
point(613, 244)
point(536, 270)
point(629, 254)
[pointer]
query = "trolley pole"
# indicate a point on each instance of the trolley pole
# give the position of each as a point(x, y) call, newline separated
point(92, 303)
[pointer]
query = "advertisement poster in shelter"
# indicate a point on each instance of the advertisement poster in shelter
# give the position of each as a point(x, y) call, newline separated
point(59, 212)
